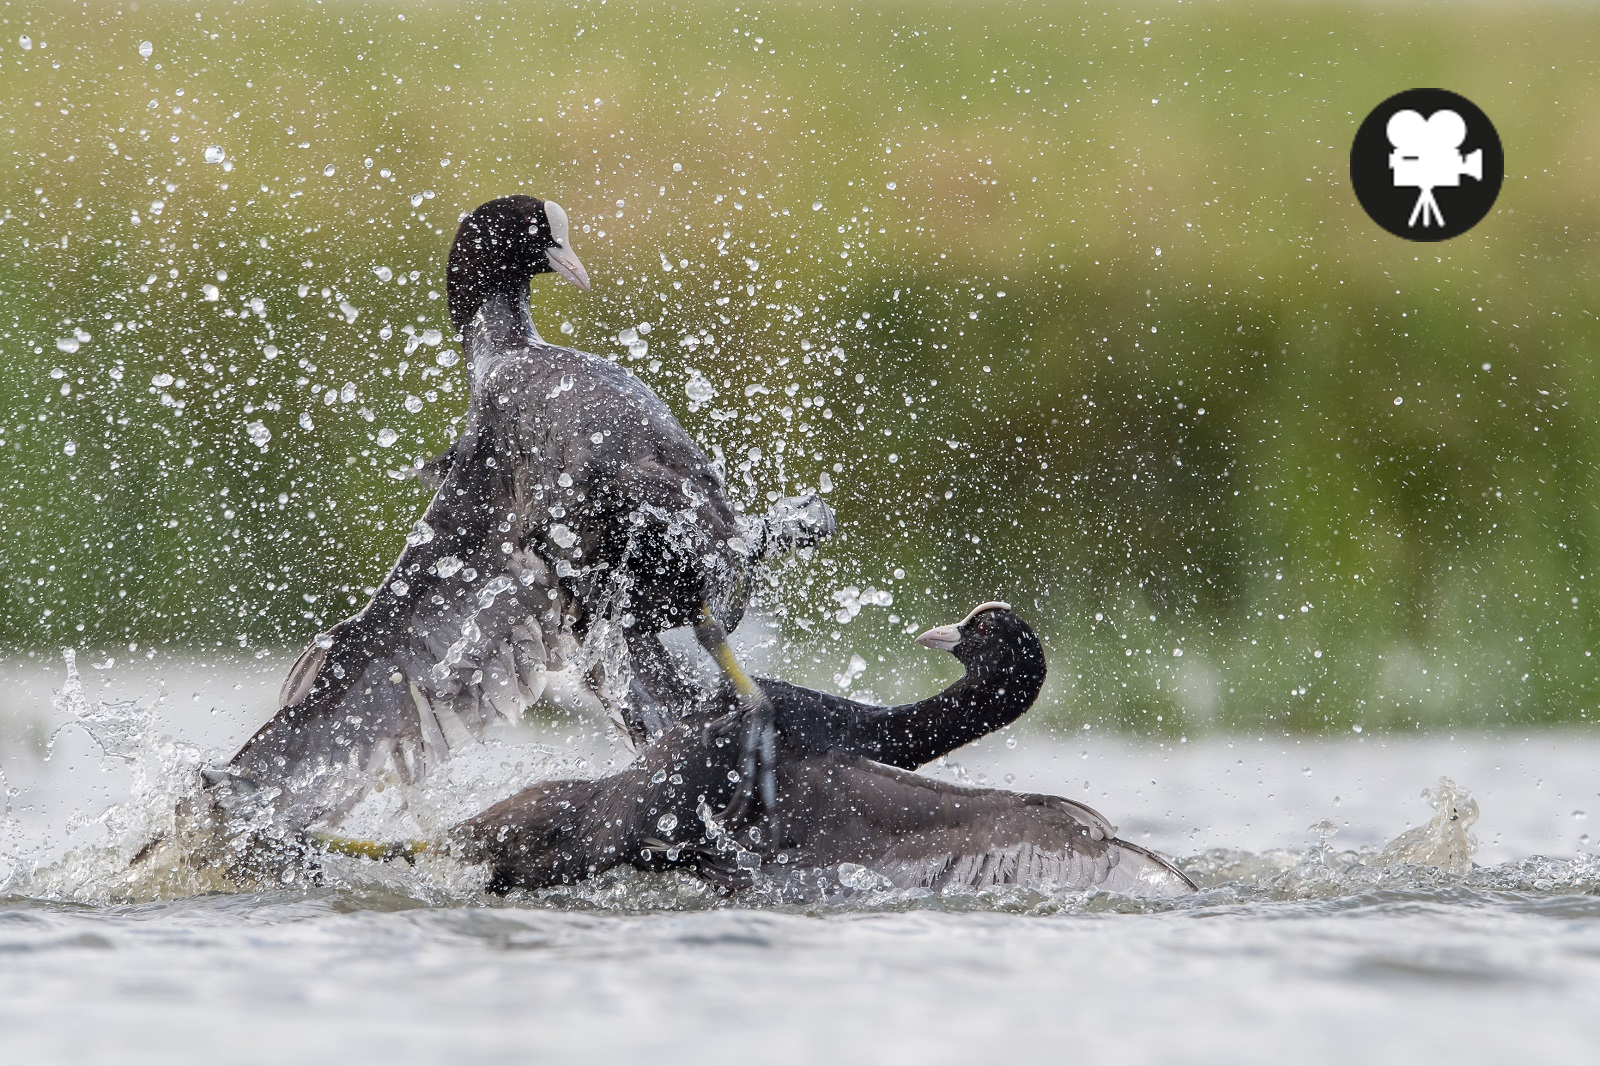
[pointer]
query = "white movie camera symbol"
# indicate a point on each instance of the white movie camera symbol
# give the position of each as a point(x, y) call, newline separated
point(1427, 155)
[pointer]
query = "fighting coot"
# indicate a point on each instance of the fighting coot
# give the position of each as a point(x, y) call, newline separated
point(574, 520)
point(836, 805)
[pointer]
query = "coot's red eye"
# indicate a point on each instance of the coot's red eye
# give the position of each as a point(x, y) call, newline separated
point(983, 629)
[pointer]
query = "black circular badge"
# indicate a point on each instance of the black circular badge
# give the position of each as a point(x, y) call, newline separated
point(1427, 164)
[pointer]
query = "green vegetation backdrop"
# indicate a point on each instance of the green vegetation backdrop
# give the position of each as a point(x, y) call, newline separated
point(1072, 308)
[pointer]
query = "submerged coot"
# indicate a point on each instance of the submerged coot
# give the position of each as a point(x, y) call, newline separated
point(836, 804)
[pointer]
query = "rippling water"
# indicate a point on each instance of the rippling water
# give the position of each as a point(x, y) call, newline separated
point(1303, 945)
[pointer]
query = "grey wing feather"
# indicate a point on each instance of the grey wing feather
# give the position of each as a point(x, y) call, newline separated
point(921, 833)
point(458, 634)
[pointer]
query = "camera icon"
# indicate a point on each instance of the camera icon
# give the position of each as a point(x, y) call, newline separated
point(1427, 155)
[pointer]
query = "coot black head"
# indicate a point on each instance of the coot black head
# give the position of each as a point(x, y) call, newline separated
point(989, 637)
point(500, 246)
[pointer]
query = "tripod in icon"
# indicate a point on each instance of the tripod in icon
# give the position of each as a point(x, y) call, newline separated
point(1427, 155)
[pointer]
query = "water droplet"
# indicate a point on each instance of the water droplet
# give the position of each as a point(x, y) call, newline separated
point(146, 49)
point(161, 381)
point(853, 875)
point(447, 566)
point(327, 171)
point(259, 434)
point(447, 358)
point(26, 42)
point(413, 404)
point(384, 273)
point(421, 533)
point(70, 448)
point(667, 823)
point(399, 587)
point(563, 537)
point(387, 437)
point(432, 337)
point(67, 344)
point(698, 388)
point(817, 206)
point(564, 480)
point(215, 154)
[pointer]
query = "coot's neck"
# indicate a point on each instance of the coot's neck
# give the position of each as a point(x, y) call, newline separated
point(503, 320)
point(995, 692)
point(488, 295)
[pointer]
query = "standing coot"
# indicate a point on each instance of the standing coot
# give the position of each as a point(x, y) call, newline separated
point(574, 521)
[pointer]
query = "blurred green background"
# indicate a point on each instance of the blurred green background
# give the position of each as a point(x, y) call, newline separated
point(1072, 307)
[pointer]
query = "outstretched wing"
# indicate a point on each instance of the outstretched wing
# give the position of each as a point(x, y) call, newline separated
point(573, 501)
point(923, 833)
point(459, 632)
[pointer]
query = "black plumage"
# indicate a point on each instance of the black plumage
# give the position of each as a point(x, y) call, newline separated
point(837, 807)
point(1004, 668)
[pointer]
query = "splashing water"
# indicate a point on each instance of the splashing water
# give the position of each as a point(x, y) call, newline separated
point(698, 388)
point(166, 834)
point(1445, 841)
point(119, 727)
point(160, 842)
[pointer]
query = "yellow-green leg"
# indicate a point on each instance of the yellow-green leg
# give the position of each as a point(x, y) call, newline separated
point(758, 744)
point(375, 850)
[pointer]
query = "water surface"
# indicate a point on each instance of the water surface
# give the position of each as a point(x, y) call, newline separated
point(1303, 946)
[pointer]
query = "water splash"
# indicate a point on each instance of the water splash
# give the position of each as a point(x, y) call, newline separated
point(181, 827)
point(163, 842)
point(1444, 842)
point(1429, 858)
point(119, 727)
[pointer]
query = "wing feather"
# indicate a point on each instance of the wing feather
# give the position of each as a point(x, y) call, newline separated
point(454, 638)
point(919, 832)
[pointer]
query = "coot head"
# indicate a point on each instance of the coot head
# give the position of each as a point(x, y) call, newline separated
point(501, 245)
point(989, 635)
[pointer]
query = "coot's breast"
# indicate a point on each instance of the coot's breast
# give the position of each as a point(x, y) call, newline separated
point(608, 482)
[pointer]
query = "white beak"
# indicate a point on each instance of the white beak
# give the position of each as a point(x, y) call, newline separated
point(941, 638)
point(565, 263)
